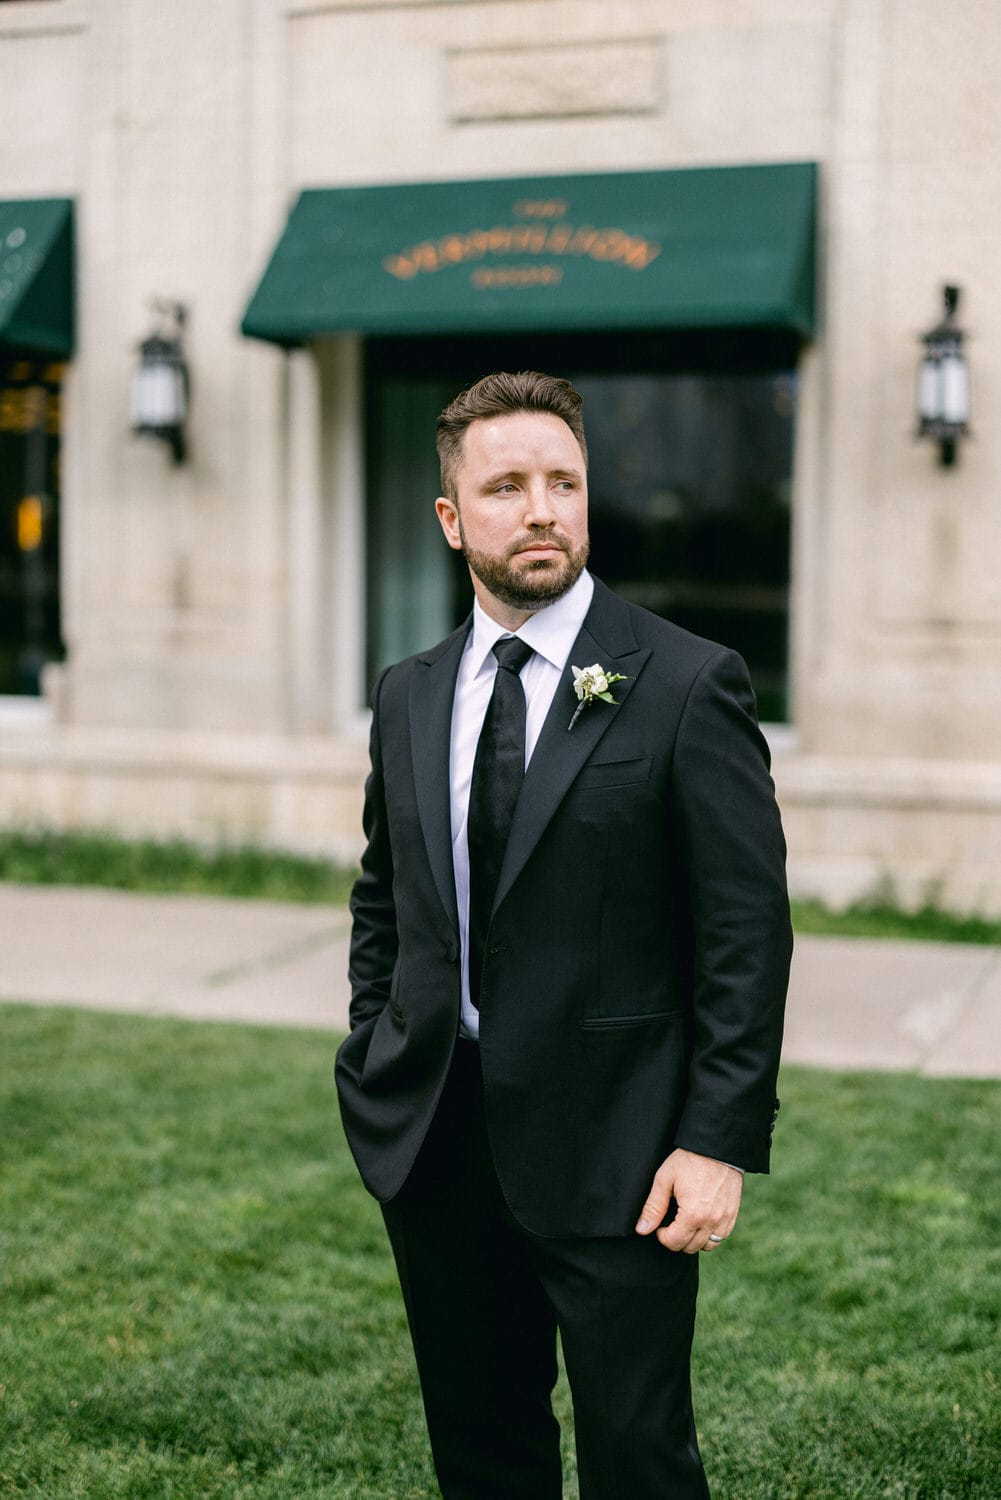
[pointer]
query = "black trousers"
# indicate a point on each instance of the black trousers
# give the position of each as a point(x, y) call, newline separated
point(484, 1299)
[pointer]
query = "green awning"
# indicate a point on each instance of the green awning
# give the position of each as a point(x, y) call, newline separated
point(698, 247)
point(37, 275)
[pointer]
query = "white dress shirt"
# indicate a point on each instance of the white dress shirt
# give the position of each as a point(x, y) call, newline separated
point(551, 633)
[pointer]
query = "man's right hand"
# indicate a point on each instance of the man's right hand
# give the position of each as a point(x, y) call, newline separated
point(707, 1194)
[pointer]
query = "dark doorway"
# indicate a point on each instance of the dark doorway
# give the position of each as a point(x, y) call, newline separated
point(690, 438)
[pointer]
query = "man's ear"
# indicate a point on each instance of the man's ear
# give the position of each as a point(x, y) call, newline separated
point(448, 515)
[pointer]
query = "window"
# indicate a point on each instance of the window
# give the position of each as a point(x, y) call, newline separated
point(29, 520)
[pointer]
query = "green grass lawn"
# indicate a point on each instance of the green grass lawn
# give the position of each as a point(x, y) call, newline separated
point(197, 1299)
point(94, 858)
point(102, 859)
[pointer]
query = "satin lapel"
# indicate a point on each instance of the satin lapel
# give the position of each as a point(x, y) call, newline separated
point(432, 688)
point(559, 755)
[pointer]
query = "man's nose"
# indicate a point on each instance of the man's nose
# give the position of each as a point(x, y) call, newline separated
point(539, 509)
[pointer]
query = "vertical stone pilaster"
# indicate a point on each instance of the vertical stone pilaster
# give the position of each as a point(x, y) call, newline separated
point(308, 647)
point(344, 480)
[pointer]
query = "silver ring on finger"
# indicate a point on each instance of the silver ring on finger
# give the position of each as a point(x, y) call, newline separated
point(716, 1239)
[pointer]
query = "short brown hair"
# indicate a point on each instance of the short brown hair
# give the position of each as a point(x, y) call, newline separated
point(502, 395)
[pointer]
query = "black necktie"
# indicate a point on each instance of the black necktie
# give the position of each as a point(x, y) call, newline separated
point(498, 771)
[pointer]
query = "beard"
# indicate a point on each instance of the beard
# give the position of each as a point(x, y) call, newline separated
point(528, 585)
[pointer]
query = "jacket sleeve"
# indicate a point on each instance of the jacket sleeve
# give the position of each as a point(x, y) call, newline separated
point(731, 838)
point(374, 939)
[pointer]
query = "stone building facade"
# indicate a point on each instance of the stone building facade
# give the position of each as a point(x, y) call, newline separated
point(219, 620)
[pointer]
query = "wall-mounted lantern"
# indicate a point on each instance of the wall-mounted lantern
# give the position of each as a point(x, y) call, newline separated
point(161, 385)
point(944, 383)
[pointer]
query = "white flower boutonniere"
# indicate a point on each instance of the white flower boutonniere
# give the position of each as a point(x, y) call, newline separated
point(590, 683)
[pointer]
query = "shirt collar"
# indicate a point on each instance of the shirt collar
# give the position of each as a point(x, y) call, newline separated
point(550, 632)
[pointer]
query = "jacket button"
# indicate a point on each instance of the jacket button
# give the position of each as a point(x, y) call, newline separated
point(452, 952)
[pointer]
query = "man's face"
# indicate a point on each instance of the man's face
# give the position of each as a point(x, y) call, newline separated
point(521, 516)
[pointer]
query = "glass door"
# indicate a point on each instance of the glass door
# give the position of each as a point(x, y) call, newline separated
point(417, 588)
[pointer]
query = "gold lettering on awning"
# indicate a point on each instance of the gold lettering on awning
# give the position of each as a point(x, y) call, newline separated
point(485, 276)
point(610, 246)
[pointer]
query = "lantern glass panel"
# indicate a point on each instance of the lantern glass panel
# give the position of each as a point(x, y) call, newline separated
point(955, 386)
point(929, 398)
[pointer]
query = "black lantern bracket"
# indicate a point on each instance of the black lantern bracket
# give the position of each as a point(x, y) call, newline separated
point(944, 382)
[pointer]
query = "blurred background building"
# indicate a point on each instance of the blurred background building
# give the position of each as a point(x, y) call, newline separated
point(248, 250)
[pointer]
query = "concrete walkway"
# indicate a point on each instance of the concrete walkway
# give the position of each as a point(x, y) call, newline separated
point(934, 1008)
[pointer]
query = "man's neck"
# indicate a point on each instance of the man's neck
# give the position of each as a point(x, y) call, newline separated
point(502, 614)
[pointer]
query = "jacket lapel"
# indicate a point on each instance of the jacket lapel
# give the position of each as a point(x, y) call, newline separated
point(606, 637)
point(432, 688)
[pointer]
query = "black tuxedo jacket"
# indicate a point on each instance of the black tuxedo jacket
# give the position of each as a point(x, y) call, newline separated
point(638, 954)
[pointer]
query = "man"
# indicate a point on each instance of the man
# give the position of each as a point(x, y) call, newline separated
point(568, 965)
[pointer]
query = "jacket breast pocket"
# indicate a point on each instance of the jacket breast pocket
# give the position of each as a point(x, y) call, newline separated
point(605, 774)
